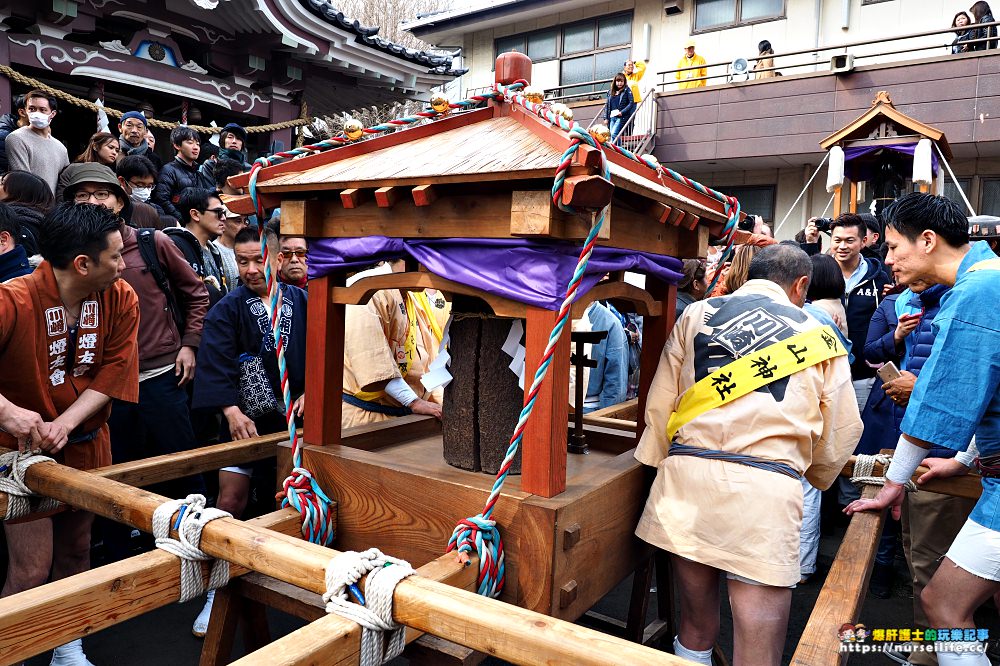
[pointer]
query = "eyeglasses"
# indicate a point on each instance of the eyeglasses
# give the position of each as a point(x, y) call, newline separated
point(287, 254)
point(83, 196)
point(133, 126)
point(220, 211)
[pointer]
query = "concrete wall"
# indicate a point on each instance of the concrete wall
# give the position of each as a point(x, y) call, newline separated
point(799, 30)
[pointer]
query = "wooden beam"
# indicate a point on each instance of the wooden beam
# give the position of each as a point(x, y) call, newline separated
point(587, 191)
point(386, 197)
point(424, 195)
point(487, 625)
point(324, 642)
point(44, 617)
point(588, 156)
point(853, 203)
point(301, 217)
point(543, 451)
point(843, 592)
point(324, 363)
point(352, 197)
point(620, 291)
point(532, 214)
point(655, 332)
point(172, 466)
point(968, 485)
point(838, 205)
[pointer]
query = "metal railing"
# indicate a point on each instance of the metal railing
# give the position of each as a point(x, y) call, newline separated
point(814, 62)
point(639, 130)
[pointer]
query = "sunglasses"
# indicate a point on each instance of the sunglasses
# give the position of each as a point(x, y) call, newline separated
point(287, 254)
point(220, 211)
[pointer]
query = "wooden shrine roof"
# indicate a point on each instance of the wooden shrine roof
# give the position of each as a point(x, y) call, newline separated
point(883, 108)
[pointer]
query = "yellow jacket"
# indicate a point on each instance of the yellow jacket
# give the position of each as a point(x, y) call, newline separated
point(633, 80)
point(682, 77)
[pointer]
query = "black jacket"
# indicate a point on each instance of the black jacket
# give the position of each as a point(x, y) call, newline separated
point(984, 33)
point(31, 226)
point(175, 177)
point(8, 123)
point(860, 306)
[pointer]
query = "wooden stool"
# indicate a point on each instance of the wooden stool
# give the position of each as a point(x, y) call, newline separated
point(246, 600)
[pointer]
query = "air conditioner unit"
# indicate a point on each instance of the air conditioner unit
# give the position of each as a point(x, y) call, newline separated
point(739, 70)
point(842, 63)
point(673, 7)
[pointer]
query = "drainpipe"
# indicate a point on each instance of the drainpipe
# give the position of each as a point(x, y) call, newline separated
point(819, 17)
point(845, 21)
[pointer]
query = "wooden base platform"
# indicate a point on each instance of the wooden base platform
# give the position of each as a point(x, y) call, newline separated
point(396, 492)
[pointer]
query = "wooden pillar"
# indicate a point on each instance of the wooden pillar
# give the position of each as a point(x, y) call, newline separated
point(655, 331)
point(853, 204)
point(543, 451)
point(5, 91)
point(324, 363)
point(837, 203)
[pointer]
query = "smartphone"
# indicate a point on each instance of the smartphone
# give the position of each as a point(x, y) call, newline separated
point(888, 372)
point(908, 317)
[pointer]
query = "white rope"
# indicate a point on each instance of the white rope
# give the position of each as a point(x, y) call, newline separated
point(801, 194)
point(375, 617)
point(864, 471)
point(194, 516)
point(13, 466)
point(958, 186)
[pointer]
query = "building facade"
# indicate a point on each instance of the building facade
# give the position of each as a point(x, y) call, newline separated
point(757, 139)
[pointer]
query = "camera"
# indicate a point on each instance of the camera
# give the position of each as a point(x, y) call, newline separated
point(823, 224)
point(747, 223)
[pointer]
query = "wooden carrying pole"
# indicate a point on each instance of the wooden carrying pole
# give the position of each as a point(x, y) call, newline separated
point(483, 624)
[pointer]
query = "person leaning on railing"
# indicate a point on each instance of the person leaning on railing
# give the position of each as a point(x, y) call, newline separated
point(982, 14)
point(961, 24)
point(688, 60)
point(764, 67)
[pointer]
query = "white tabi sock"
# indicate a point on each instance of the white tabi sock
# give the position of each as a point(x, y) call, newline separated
point(970, 656)
point(697, 656)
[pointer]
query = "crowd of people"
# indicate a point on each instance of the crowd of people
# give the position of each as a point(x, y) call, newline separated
point(135, 321)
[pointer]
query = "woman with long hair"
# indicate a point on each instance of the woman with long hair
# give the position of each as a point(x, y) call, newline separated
point(981, 13)
point(736, 275)
point(961, 24)
point(103, 149)
point(693, 285)
point(620, 105)
point(29, 198)
point(765, 61)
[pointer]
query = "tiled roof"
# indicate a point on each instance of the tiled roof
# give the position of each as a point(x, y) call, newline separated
point(436, 63)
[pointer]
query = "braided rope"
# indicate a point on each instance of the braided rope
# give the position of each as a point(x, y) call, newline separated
point(864, 471)
point(382, 639)
point(191, 521)
point(14, 75)
point(13, 466)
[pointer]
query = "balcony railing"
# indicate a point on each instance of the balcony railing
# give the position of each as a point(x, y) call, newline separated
point(814, 62)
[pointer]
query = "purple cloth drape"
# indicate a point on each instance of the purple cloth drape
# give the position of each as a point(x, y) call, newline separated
point(861, 171)
point(522, 270)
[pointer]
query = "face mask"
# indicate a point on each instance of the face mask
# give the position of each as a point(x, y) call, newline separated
point(38, 119)
point(141, 193)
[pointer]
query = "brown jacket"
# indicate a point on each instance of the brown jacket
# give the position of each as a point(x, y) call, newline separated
point(159, 340)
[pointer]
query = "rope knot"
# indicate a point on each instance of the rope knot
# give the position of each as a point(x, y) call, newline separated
point(303, 494)
point(21, 500)
point(191, 520)
point(481, 534)
point(864, 471)
point(375, 617)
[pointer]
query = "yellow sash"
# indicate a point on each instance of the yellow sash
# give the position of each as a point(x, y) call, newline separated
point(750, 372)
point(417, 299)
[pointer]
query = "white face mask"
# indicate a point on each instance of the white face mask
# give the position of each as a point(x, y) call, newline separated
point(141, 193)
point(38, 119)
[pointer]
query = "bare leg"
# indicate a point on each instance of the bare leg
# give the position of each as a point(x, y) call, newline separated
point(953, 594)
point(760, 622)
point(699, 592)
point(234, 492)
point(71, 543)
point(30, 555)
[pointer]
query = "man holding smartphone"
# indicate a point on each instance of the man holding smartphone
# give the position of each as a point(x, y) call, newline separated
point(928, 239)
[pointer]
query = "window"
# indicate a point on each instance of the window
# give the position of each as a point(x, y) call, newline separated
point(990, 199)
point(951, 191)
point(754, 199)
point(592, 50)
point(538, 46)
point(718, 14)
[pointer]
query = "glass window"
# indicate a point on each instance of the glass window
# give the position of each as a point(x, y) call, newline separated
point(579, 37)
point(754, 200)
point(543, 45)
point(951, 192)
point(512, 43)
point(712, 13)
point(609, 63)
point(614, 30)
point(990, 204)
point(751, 10)
point(577, 70)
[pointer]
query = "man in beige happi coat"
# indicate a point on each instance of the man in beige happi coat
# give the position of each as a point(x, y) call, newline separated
point(715, 515)
point(389, 345)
